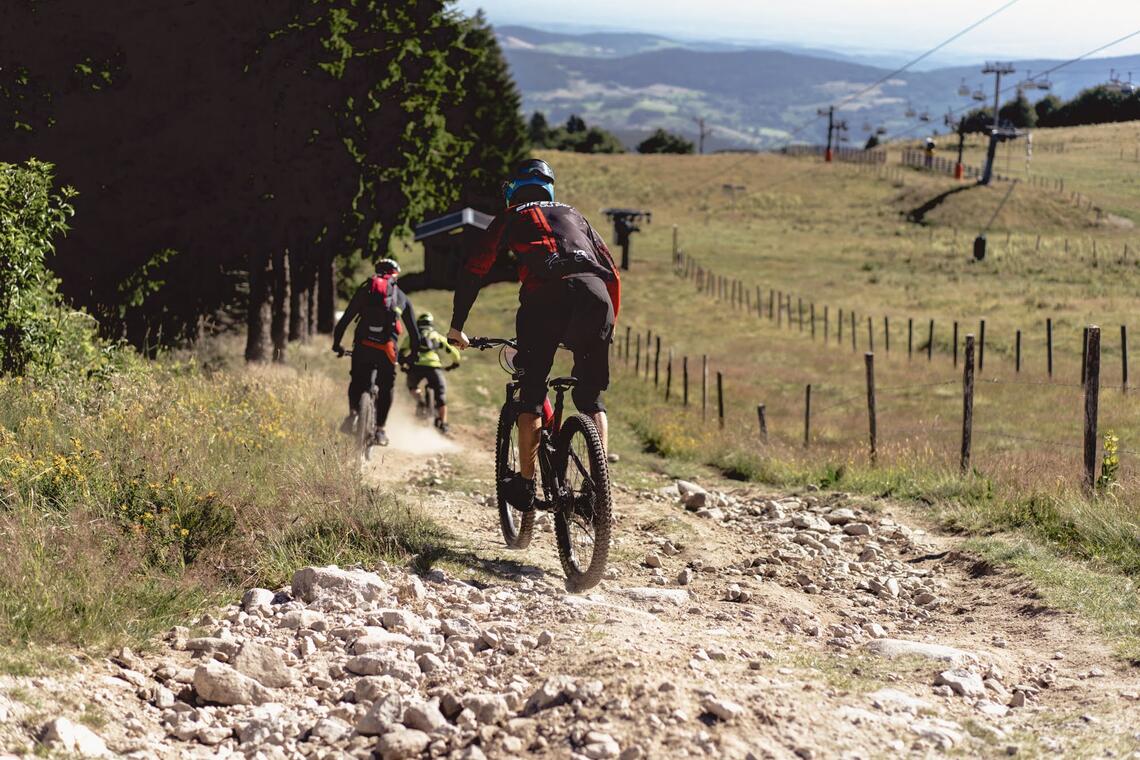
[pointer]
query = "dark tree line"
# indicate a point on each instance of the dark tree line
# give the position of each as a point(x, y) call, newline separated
point(1095, 105)
point(230, 157)
point(574, 136)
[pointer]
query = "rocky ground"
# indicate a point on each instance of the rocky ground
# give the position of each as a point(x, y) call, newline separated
point(733, 623)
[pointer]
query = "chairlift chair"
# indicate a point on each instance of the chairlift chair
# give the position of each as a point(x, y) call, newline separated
point(867, 126)
point(978, 94)
point(964, 89)
point(1044, 84)
point(924, 116)
point(880, 130)
point(910, 112)
point(1128, 88)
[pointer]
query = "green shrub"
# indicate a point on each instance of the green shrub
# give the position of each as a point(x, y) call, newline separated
point(37, 331)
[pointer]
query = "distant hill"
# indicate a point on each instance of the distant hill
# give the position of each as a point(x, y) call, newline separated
point(753, 98)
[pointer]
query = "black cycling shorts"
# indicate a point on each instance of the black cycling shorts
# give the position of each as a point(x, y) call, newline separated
point(576, 312)
point(434, 378)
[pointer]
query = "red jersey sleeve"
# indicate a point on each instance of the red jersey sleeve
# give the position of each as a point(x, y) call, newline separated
point(486, 249)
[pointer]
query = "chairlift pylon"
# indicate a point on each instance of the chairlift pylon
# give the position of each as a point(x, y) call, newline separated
point(1114, 84)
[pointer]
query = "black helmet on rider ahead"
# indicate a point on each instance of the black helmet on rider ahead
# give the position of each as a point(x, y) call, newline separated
point(533, 171)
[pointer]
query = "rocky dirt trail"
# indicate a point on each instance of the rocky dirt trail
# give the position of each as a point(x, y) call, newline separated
point(733, 623)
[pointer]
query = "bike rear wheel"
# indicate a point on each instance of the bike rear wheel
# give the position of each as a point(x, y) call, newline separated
point(365, 424)
point(584, 516)
point(518, 527)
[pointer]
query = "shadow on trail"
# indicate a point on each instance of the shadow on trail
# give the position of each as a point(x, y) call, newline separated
point(918, 214)
point(509, 570)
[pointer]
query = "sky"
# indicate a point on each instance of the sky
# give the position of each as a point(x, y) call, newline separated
point(1028, 29)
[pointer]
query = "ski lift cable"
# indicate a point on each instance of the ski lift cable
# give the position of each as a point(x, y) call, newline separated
point(925, 55)
point(1004, 90)
point(904, 67)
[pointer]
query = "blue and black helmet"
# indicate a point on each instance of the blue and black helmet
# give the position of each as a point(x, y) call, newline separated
point(533, 171)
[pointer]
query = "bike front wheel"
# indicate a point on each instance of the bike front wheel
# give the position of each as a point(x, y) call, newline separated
point(518, 527)
point(365, 423)
point(583, 518)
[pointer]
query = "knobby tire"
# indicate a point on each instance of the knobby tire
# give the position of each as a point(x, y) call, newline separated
point(584, 469)
point(365, 423)
point(518, 527)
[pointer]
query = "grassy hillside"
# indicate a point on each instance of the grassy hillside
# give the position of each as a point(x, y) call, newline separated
point(839, 236)
point(1102, 162)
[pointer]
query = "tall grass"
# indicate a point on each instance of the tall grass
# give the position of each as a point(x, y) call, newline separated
point(129, 500)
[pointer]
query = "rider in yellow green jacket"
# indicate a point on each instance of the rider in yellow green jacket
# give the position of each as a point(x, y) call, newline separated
point(427, 366)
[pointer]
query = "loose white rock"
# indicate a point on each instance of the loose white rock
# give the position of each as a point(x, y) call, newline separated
point(215, 682)
point(65, 736)
point(310, 583)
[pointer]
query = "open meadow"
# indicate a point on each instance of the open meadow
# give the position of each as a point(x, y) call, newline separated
point(839, 237)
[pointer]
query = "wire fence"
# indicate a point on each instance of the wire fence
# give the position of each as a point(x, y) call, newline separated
point(896, 414)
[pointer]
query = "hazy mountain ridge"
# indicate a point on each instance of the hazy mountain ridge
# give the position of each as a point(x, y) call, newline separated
point(633, 83)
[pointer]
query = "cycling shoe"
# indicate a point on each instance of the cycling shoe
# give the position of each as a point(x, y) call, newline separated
point(518, 492)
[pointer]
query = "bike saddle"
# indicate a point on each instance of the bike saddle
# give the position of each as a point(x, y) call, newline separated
point(562, 383)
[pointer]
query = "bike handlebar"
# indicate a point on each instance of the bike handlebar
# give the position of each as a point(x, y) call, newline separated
point(484, 343)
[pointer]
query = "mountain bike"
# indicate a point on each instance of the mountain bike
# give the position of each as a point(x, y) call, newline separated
point(365, 431)
point(427, 402)
point(574, 472)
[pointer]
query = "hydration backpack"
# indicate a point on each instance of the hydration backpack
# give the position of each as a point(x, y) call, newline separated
point(380, 317)
point(429, 341)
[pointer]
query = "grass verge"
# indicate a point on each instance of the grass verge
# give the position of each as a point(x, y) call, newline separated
point(130, 500)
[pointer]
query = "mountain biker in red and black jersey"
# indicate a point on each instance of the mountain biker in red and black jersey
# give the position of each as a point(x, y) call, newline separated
point(381, 307)
point(570, 294)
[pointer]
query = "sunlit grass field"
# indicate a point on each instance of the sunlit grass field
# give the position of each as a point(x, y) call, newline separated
point(838, 235)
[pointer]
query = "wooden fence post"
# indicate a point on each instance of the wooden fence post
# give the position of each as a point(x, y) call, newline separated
point(839, 340)
point(780, 310)
point(627, 345)
point(704, 386)
point(1084, 356)
point(870, 360)
point(1124, 358)
point(1092, 400)
point(685, 381)
point(813, 320)
point(887, 334)
point(982, 346)
point(955, 343)
point(637, 358)
point(807, 415)
point(1017, 353)
point(967, 404)
point(657, 361)
point(1049, 345)
point(771, 303)
point(826, 326)
point(910, 337)
point(720, 398)
point(853, 348)
point(800, 312)
point(762, 418)
point(930, 342)
point(870, 335)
